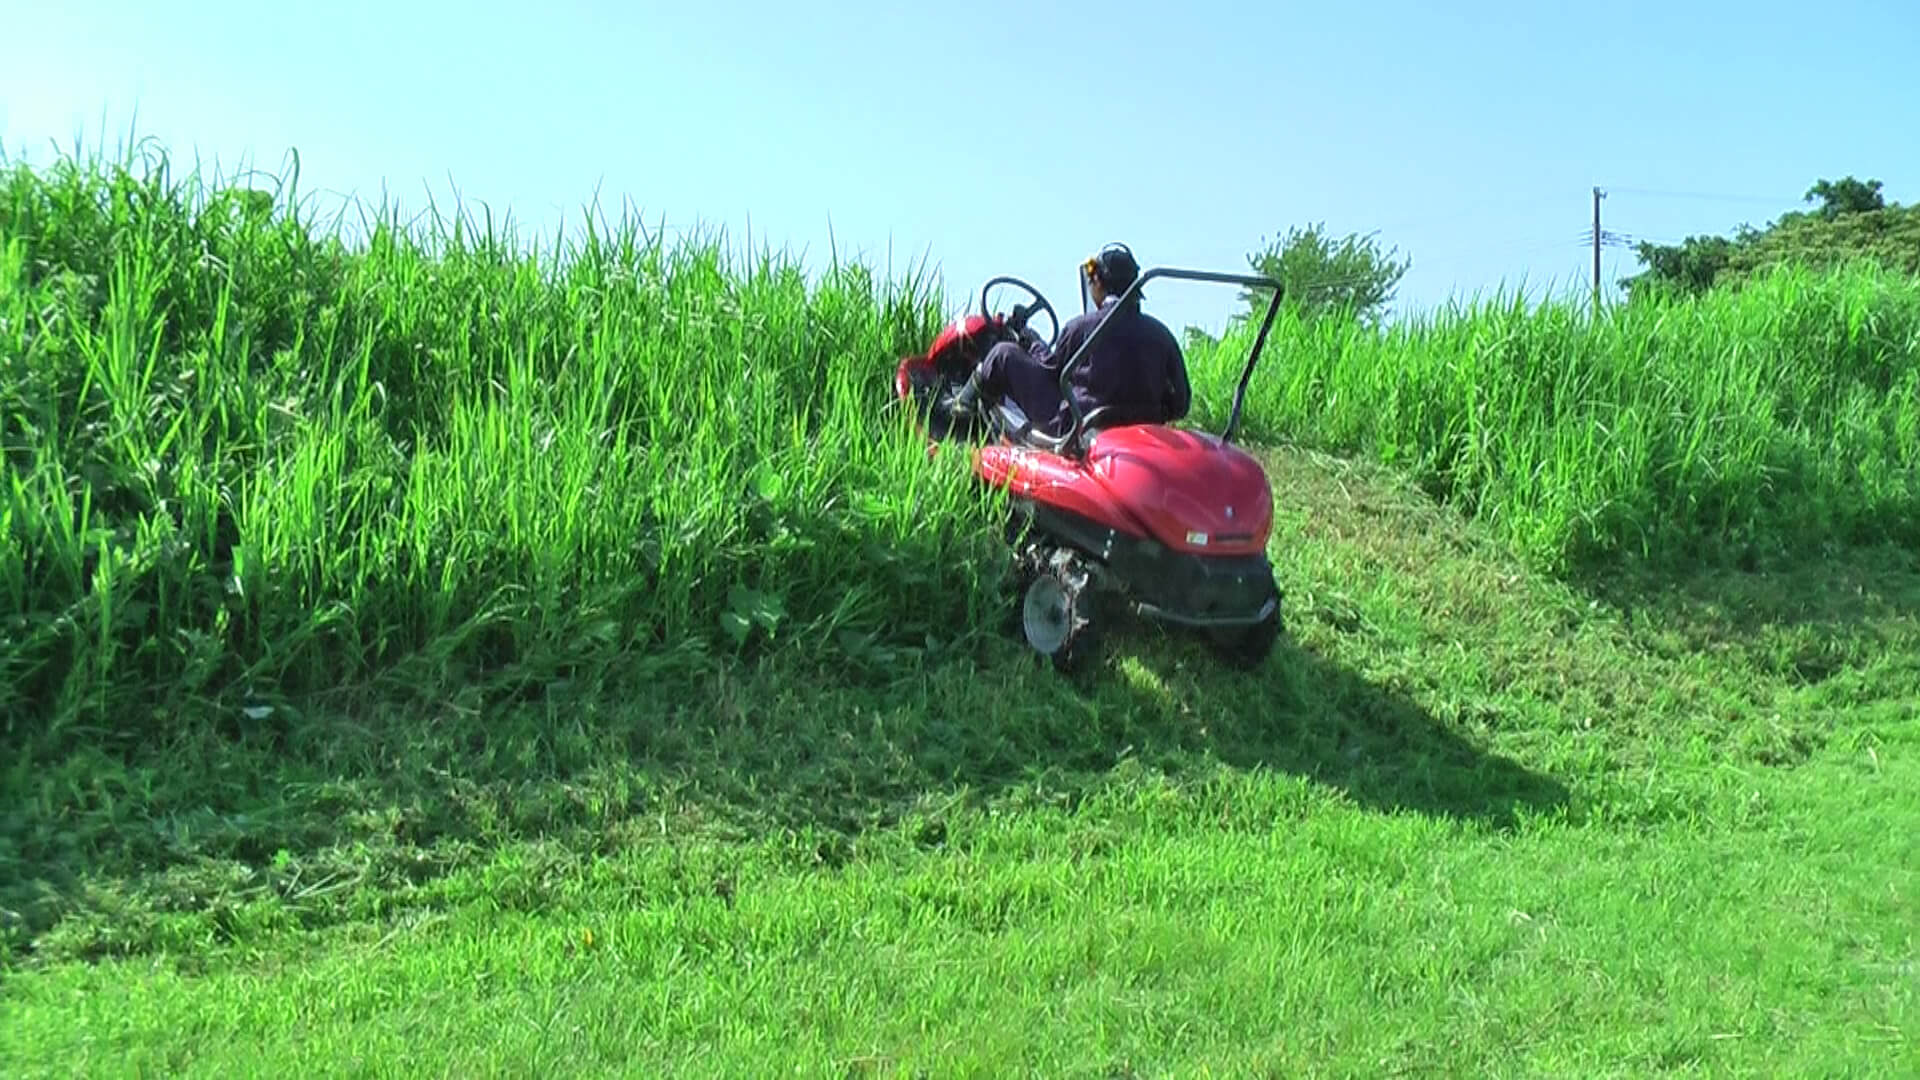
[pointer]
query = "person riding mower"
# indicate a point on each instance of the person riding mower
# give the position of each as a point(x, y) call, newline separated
point(1136, 368)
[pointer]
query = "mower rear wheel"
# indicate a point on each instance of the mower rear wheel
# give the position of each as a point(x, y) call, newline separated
point(1056, 616)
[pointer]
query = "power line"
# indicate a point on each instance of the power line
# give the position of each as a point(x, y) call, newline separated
point(1609, 238)
point(1709, 196)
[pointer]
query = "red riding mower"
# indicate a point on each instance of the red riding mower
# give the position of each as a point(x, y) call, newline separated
point(1168, 522)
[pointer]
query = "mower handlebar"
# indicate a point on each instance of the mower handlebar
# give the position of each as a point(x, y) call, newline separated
point(1070, 441)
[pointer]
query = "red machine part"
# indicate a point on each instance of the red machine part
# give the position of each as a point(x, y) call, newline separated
point(956, 331)
point(925, 367)
point(903, 376)
point(1188, 490)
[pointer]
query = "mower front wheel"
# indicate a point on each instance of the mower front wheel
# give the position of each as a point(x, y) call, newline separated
point(1248, 647)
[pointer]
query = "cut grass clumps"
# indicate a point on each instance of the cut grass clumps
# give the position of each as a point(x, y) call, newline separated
point(248, 461)
point(1774, 419)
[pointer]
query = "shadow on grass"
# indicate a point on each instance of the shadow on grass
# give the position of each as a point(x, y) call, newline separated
point(1306, 715)
point(127, 855)
point(1804, 619)
point(1834, 589)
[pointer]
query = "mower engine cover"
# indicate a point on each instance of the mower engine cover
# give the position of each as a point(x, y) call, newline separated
point(1193, 492)
point(1187, 490)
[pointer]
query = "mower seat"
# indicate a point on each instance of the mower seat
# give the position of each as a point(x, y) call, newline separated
point(1018, 428)
point(1113, 416)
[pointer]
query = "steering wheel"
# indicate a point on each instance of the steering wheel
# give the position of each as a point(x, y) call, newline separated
point(1018, 320)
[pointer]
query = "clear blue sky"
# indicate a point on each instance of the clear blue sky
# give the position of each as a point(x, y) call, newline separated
point(1018, 137)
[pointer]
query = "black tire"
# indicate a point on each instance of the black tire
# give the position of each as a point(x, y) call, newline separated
point(1247, 647)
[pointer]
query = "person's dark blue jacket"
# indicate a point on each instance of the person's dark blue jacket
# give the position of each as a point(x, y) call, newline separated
point(1135, 366)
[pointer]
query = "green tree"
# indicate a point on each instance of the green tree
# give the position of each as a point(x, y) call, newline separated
point(1846, 196)
point(1853, 221)
point(1889, 236)
point(1689, 267)
point(1350, 277)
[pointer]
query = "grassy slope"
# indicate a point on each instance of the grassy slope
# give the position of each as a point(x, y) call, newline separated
point(446, 504)
point(1749, 424)
point(1468, 820)
point(251, 464)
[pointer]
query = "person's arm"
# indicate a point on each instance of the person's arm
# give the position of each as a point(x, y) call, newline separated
point(1071, 335)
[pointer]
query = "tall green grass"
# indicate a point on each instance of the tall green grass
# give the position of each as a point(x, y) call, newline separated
point(1782, 416)
point(247, 461)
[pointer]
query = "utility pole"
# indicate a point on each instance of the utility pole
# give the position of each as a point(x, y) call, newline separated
point(1597, 196)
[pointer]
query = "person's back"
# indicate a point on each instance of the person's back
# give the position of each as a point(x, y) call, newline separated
point(1135, 368)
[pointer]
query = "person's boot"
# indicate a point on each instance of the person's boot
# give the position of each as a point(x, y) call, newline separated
point(966, 401)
